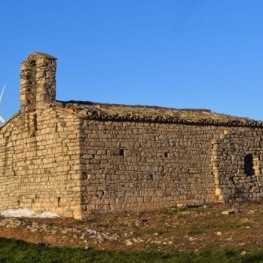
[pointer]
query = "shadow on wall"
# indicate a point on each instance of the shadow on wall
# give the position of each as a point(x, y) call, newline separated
point(238, 172)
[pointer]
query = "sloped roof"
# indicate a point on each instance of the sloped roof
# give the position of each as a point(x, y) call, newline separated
point(119, 112)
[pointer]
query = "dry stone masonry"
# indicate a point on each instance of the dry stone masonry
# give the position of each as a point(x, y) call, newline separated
point(75, 158)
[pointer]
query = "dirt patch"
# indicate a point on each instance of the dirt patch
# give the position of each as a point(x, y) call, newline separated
point(182, 229)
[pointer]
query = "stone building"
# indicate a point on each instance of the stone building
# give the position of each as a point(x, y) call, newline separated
point(74, 158)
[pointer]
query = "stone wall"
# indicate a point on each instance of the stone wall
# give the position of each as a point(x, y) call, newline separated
point(75, 158)
point(237, 164)
point(51, 160)
point(137, 166)
point(37, 80)
point(39, 147)
point(39, 163)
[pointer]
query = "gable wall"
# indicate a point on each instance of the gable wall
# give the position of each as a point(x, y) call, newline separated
point(39, 162)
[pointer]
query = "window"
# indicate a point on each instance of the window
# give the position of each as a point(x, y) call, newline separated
point(59, 198)
point(119, 152)
point(251, 164)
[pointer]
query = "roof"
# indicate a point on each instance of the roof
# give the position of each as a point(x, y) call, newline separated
point(119, 112)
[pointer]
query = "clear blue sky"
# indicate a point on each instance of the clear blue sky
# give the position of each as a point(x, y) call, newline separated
point(173, 53)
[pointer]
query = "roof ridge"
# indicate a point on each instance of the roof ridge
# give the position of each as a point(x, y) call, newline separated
point(155, 114)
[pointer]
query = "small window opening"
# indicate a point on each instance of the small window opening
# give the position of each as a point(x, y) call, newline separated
point(251, 164)
point(119, 152)
point(248, 165)
point(59, 198)
point(35, 122)
point(165, 154)
point(32, 63)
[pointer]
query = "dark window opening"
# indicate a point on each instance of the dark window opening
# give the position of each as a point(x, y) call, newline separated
point(119, 152)
point(252, 164)
point(59, 198)
point(32, 63)
point(166, 154)
point(35, 122)
point(249, 165)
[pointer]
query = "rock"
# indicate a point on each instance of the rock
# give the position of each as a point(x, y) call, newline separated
point(128, 242)
point(225, 212)
point(135, 240)
point(33, 230)
point(192, 239)
point(137, 223)
point(219, 233)
point(180, 205)
point(186, 213)
point(10, 222)
point(228, 212)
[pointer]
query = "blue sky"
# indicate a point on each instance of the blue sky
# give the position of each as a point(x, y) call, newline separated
point(172, 53)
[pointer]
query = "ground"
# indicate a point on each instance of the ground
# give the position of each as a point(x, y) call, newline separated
point(217, 226)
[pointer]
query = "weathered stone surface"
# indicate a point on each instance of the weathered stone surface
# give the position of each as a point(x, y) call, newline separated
point(74, 158)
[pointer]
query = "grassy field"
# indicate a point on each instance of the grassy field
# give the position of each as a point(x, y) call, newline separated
point(12, 251)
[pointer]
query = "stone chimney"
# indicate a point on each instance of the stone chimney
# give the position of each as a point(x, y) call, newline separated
point(37, 80)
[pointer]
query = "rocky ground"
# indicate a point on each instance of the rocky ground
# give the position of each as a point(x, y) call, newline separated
point(176, 229)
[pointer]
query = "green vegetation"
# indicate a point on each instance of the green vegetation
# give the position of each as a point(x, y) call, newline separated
point(12, 251)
